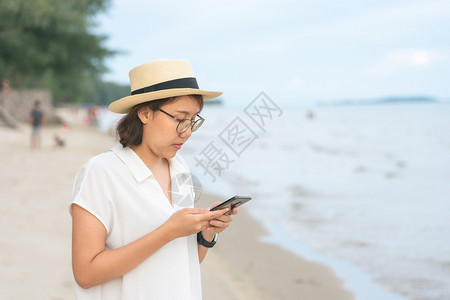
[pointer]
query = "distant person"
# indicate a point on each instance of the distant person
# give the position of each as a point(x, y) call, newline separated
point(59, 142)
point(5, 84)
point(37, 119)
point(5, 87)
point(133, 237)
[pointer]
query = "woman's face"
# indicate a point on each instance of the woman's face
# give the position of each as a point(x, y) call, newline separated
point(160, 130)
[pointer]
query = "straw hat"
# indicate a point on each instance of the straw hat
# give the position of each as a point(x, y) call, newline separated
point(158, 80)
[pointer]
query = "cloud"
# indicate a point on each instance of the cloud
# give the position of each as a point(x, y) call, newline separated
point(403, 60)
point(313, 47)
point(379, 22)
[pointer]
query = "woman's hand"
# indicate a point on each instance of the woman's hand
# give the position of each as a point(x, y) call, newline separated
point(220, 223)
point(215, 225)
point(189, 221)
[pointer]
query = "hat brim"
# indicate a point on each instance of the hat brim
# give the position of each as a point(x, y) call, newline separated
point(124, 105)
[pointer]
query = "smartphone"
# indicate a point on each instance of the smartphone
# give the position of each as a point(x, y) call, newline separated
point(233, 202)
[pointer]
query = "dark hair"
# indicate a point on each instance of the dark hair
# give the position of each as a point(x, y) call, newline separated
point(130, 128)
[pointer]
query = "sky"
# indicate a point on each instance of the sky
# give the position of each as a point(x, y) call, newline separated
point(297, 52)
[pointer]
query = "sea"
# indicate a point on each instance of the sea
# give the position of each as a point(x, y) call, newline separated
point(362, 187)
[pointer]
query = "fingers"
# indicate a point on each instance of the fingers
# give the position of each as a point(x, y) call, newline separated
point(215, 214)
point(215, 221)
point(217, 226)
point(220, 223)
point(224, 218)
point(196, 211)
point(202, 216)
point(234, 211)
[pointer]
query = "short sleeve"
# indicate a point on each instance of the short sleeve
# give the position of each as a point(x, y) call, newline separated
point(92, 191)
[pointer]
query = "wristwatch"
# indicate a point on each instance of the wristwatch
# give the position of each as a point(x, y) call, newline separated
point(201, 240)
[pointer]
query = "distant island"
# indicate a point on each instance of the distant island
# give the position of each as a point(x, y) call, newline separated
point(384, 100)
point(217, 101)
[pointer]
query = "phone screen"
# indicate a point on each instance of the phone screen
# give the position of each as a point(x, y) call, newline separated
point(233, 202)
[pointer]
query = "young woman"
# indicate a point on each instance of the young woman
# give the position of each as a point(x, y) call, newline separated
point(133, 238)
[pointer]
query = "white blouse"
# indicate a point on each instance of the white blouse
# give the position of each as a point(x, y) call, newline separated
point(122, 193)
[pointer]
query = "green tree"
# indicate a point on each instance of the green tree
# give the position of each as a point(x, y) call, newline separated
point(51, 44)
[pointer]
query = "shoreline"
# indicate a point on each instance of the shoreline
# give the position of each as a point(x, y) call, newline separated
point(249, 268)
point(35, 231)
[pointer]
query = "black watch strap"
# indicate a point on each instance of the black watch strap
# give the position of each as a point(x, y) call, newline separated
point(201, 240)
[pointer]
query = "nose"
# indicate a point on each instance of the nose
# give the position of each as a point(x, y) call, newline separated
point(187, 133)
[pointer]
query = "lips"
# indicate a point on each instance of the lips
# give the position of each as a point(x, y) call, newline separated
point(178, 146)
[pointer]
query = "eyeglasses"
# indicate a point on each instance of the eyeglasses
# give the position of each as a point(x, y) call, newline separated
point(184, 124)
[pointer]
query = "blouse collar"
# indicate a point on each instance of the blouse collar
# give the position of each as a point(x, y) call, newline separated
point(138, 168)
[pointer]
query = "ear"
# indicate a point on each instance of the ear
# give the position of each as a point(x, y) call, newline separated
point(145, 114)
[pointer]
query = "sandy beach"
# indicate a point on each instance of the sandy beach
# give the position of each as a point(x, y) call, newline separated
point(35, 225)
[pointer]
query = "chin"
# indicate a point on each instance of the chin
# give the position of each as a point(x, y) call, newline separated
point(169, 154)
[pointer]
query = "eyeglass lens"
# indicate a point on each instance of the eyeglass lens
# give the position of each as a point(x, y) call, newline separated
point(184, 124)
